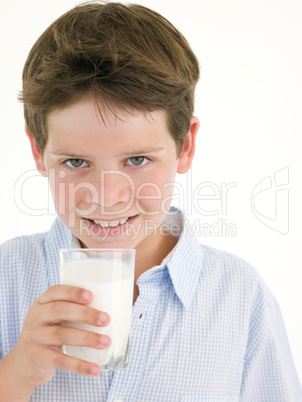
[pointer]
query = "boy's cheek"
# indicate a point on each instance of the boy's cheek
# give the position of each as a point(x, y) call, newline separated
point(154, 198)
point(64, 195)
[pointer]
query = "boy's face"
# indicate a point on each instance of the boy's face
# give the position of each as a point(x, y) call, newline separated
point(111, 178)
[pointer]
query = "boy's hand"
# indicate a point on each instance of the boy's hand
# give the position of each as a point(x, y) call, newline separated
point(38, 351)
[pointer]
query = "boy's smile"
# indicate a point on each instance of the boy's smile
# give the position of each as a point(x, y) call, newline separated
point(111, 177)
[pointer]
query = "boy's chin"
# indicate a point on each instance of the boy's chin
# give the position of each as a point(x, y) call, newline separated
point(118, 242)
point(121, 242)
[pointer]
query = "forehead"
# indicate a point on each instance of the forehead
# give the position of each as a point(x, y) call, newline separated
point(85, 124)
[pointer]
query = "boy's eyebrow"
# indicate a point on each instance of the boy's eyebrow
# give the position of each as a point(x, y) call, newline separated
point(69, 154)
point(143, 151)
point(82, 156)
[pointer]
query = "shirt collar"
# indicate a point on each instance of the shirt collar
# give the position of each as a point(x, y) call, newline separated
point(184, 262)
point(58, 237)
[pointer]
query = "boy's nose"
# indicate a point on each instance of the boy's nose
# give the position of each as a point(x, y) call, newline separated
point(115, 187)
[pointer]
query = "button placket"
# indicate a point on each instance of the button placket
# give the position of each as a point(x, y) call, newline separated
point(126, 382)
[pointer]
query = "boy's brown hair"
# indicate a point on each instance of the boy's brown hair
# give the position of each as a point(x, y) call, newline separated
point(124, 56)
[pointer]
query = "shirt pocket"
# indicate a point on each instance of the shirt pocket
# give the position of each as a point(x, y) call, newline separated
point(204, 398)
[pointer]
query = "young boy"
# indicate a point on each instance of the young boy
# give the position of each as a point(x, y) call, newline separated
point(108, 94)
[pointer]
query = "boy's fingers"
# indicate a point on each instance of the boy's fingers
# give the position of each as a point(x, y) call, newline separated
point(58, 336)
point(58, 311)
point(67, 293)
point(68, 363)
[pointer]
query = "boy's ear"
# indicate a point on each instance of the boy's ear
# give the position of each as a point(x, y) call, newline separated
point(186, 156)
point(38, 157)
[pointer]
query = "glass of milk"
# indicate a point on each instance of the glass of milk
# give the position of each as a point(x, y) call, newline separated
point(109, 275)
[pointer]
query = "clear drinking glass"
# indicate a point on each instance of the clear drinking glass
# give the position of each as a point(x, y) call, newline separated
point(109, 275)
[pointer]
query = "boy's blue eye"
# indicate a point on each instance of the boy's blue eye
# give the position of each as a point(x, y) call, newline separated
point(138, 160)
point(75, 163)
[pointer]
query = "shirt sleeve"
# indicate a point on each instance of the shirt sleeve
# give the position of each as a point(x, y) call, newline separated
point(269, 371)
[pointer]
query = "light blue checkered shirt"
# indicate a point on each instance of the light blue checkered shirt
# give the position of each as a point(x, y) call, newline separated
point(204, 328)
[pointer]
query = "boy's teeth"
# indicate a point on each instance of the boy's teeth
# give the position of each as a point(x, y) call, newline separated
point(114, 223)
point(105, 224)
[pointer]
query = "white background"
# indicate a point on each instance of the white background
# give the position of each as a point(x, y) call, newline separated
point(249, 104)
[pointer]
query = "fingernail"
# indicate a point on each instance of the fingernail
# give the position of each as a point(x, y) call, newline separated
point(103, 318)
point(104, 340)
point(94, 370)
point(85, 295)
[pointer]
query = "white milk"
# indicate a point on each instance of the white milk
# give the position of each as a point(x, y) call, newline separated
point(111, 283)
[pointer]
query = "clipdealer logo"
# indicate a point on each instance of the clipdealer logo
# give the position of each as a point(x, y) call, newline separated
point(270, 201)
